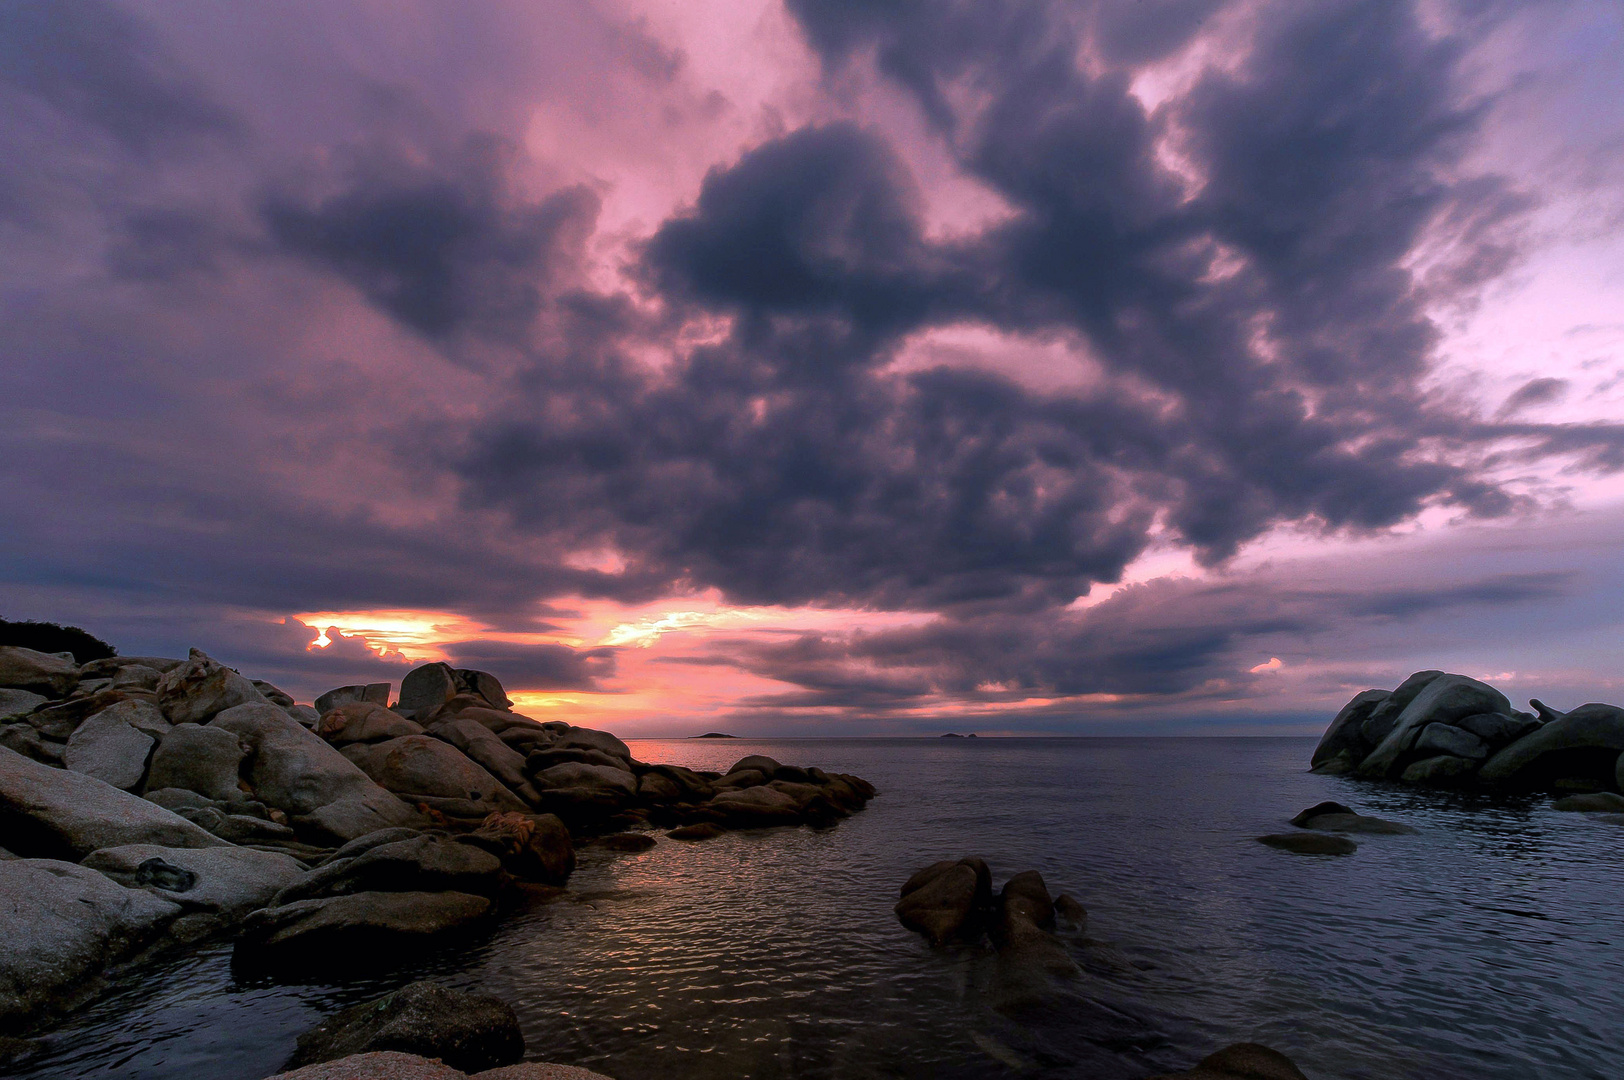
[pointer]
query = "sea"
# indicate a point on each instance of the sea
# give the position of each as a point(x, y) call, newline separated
point(1488, 945)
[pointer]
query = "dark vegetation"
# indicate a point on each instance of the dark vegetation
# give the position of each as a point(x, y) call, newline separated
point(49, 637)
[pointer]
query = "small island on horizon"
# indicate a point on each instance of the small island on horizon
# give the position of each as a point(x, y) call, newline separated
point(956, 735)
point(713, 735)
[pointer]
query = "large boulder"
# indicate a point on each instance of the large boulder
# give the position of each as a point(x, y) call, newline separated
point(375, 693)
point(580, 738)
point(1442, 700)
point(1449, 739)
point(1334, 817)
point(363, 721)
point(466, 1031)
point(1343, 745)
point(202, 687)
point(60, 926)
point(108, 748)
point(421, 765)
point(376, 1065)
point(426, 863)
point(945, 901)
point(1584, 742)
point(60, 719)
point(201, 758)
point(756, 807)
point(137, 677)
point(15, 703)
point(1384, 717)
point(291, 768)
point(483, 684)
point(619, 784)
point(426, 688)
point(227, 881)
point(58, 814)
point(1497, 729)
point(480, 745)
point(532, 847)
point(369, 928)
point(47, 673)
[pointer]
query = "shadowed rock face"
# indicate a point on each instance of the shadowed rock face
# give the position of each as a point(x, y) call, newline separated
point(465, 1031)
point(1443, 730)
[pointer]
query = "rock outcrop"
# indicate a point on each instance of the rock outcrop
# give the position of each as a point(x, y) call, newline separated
point(1442, 730)
point(471, 1032)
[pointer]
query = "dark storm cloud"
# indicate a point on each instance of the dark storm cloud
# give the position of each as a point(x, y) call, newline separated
point(1164, 639)
point(94, 62)
point(437, 254)
point(536, 667)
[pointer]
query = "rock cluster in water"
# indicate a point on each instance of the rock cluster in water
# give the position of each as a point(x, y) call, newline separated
point(954, 901)
point(147, 802)
point(1445, 730)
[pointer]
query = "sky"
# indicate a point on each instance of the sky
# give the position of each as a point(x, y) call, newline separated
point(824, 367)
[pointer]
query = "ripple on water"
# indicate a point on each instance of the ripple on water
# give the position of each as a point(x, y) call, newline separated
point(1487, 946)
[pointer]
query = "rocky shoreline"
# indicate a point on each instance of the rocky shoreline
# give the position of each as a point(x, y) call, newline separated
point(151, 803)
point(1452, 731)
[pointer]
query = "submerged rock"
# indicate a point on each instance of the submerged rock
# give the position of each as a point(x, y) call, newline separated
point(465, 1031)
point(1310, 843)
point(1334, 817)
point(1240, 1061)
point(361, 929)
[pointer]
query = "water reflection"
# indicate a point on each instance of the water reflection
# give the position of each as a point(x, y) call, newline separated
point(1483, 947)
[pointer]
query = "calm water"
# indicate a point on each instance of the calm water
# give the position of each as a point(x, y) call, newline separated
point(1489, 946)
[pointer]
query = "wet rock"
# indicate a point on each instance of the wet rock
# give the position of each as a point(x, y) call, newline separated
point(532, 847)
point(45, 673)
point(1070, 913)
point(1026, 896)
point(1595, 802)
point(704, 830)
point(374, 693)
point(293, 769)
point(427, 863)
point(1310, 843)
point(1448, 739)
point(230, 881)
point(421, 765)
point(359, 929)
point(199, 758)
point(465, 1031)
point(61, 925)
point(55, 813)
point(1241, 1061)
point(1590, 737)
point(109, 749)
point(202, 687)
point(943, 902)
point(363, 722)
point(628, 842)
point(1439, 771)
point(1442, 700)
point(1334, 817)
point(15, 703)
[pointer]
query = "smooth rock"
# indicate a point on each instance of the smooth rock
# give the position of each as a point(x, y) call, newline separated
point(1304, 817)
point(137, 677)
point(369, 841)
point(227, 880)
point(304, 715)
point(592, 778)
point(56, 813)
point(428, 863)
point(141, 714)
point(1385, 716)
point(482, 684)
point(47, 673)
point(755, 807)
point(1444, 699)
point(341, 932)
point(109, 749)
point(1241, 1061)
point(1355, 823)
point(427, 688)
point(1593, 727)
point(1497, 729)
point(626, 842)
point(1345, 733)
point(1440, 771)
point(201, 758)
point(704, 830)
point(23, 739)
point(294, 770)
point(60, 926)
point(1448, 739)
point(380, 1065)
point(1310, 843)
point(1069, 911)
point(759, 762)
point(363, 721)
point(202, 687)
point(59, 720)
point(374, 693)
point(539, 1070)
point(481, 746)
point(1026, 896)
point(418, 765)
point(465, 1031)
point(14, 702)
point(944, 906)
point(591, 739)
point(1593, 803)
